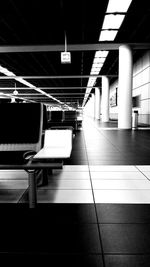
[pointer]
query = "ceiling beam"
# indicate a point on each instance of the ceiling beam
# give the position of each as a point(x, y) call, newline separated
point(54, 77)
point(60, 97)
point(70, 47)
point(32, 94)
point(48, 88)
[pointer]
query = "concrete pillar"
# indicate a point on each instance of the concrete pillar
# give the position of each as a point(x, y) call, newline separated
point(105, 99)
point(97, 104)
point(92, 103)
point(125, 87)
point(89, 107)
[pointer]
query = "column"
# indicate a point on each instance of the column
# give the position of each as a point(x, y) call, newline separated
point(105, 99)
point(97, 104)
point(92, 101)
point(125, 87)
point(89, 107)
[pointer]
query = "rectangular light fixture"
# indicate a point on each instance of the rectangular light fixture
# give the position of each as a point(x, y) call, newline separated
point(101, 53)
point(97, 65)
point(21, 80)
point(112, 21)
point(99, 60)
point(94, 73)
point(107, 35)
point(96, 69)
point(6, 71)
point(88, 90)
point(109, 31)
point(91, 81)
point(118, 6)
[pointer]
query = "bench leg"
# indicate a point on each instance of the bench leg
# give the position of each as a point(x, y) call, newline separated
point(45, 174)
point(45, 177)
point(32, 189)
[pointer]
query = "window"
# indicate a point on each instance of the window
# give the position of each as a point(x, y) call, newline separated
point(136, 101)
point(113, 99)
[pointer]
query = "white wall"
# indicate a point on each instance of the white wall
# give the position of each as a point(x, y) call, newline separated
point(141, 86)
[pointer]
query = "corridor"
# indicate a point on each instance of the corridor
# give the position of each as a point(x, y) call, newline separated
point(94, 212)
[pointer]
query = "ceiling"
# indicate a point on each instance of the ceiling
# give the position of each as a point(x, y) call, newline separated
point(48, 22)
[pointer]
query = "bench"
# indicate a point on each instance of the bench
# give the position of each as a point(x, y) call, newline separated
point(58, 118)
point(57, 145)
point(21, 132)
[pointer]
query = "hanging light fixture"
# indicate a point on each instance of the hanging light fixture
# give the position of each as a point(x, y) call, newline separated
point(65, 56)
point(15, 92)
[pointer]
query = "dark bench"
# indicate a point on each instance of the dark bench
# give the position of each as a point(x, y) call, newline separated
point(70, 118)
point(21, 132)
point(65, 118)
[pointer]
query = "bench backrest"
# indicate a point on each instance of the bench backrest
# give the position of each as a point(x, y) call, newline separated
point(58, 138)
point(56, 115)
point(70, 115)
point(21, 126)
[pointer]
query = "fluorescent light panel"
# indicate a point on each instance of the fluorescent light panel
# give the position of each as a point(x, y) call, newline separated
point(95, 68)
point(118, 6)
point(112, 21)
point(91, 82)
point(97, 65)
point(6, 71)
point(21, 80)
point(99, 60)
point(101, 53)
point(107, 35)
point(95, 71)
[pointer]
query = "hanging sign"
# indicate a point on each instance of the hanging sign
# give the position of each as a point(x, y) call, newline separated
point(65, 57)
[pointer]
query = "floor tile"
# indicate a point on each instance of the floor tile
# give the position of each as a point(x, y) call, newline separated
point(9, 195)
point(47, 214)
point(50, 238)
point(111, 162)
point(127, 260)
point(111, 168)
point(66, 213)
point(62, 196)
point(144, 168)
point(13, 174)
point(147, 174)
point(69, 175)
point(68, 184)
point(13, 184)
point(123, 213)
point(57, 260)
point(121, 184)
point(75, 168)
point(65, 196)
point(122, 196)
point(125, 238)
point(117, 175)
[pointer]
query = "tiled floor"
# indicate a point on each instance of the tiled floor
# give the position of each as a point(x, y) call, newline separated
point(94, 212)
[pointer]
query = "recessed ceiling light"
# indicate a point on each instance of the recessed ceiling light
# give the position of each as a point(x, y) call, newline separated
point(118, 6)
point(107, 35)
point(99, 60)
point(101, 53)
point(112, 21)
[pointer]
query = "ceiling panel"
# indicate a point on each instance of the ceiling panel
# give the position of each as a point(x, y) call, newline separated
point(51, 22)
